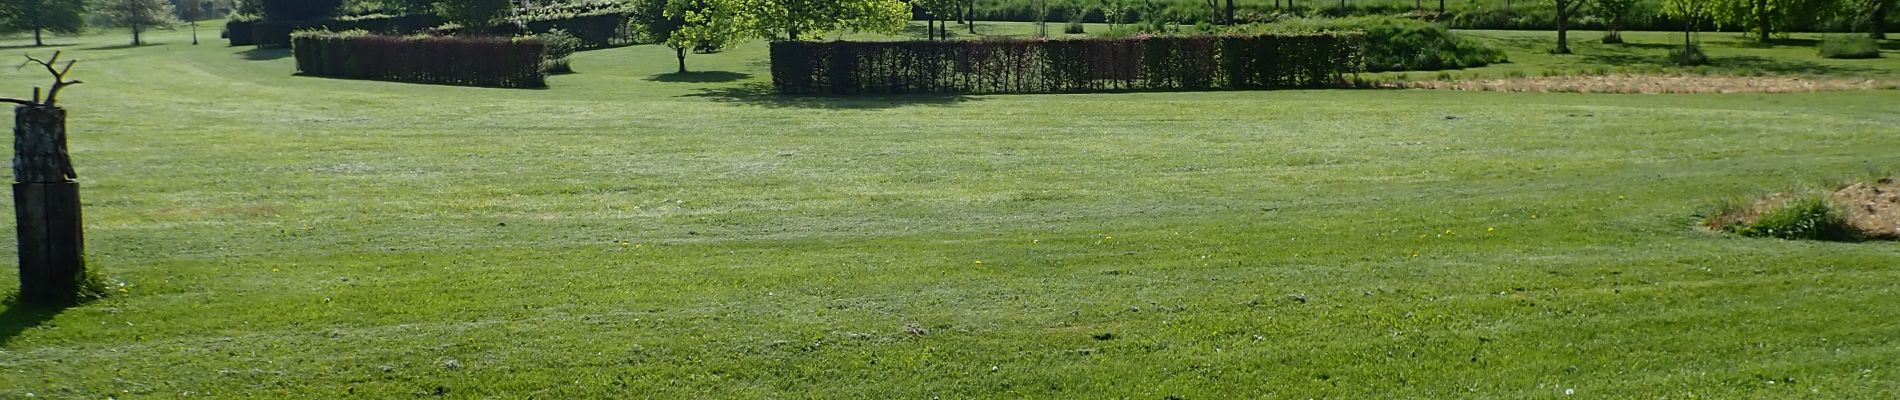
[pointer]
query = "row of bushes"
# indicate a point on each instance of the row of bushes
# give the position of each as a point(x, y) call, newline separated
point(1066, 66)
point(1475, 14)
point(600, 30)
point(450, 60)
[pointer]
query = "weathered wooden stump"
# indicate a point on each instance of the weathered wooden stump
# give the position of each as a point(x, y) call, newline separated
point(46, 208)
point(45, 196)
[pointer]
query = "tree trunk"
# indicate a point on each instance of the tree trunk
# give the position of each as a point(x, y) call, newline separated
point(194, 33)
point(135, 37)
point(680, 52)
point(1563, 34)
point(46, 209)
point(969, 15)
point(36, 37)
point(1761, 18)
point(1230, 12)
point(1879, 28)
point(1441, 8)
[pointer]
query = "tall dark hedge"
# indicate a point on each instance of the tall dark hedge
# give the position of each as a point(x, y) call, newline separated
point(300, 10)
point(595, 31)
point(449, 60)
point(1071, 65)
point(240, 32)
point(277, 33)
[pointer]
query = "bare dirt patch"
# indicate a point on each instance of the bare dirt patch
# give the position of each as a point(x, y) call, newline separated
point(1867, 210)
point(1873, 208)
point(1658, 84)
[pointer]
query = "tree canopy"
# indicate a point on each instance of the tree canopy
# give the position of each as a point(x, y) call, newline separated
point(37, 16)
point(138, 15)
point(799, 19)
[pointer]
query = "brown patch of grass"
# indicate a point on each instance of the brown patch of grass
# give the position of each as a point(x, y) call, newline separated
point(1655, 84)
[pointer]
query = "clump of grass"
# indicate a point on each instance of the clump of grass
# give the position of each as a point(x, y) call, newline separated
point(1850, 48)
point(1793, 217)
point(1688, 56)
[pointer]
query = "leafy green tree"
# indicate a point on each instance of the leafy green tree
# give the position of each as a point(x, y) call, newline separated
point(40, 16)
point(938, 13)
point(794, 19)
point(476, 15)
point(1762, 17)
point(137, 15)
point(706, 26)
point(1614, 13)
point(1876, 12)
point(1566, 9)
point(192, 11)
point(1692, 13)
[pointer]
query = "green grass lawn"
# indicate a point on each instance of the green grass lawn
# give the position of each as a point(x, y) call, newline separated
point(633, 233)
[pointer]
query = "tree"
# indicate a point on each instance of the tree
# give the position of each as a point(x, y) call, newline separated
point(1764, 16)
point(938, 13)
point(1692, 13)
point(138, 15)
point(1565, 9)
point(40, 16)
point(1614, 14)
point(793, 19)
point(193, 11)
point(1876, 20)
point(705, 26)
point(476, 15)
point(299, 10)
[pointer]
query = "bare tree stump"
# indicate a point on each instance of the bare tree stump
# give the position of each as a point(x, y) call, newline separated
point(46, 206)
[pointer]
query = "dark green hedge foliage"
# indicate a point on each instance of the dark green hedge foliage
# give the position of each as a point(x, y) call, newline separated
point(239, 32)
point(448, 60)
point(595, 31)
point(277, 33)
point(1067, 66)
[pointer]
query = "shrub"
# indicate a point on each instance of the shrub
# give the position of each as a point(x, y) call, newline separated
point(459, 60)
point(1688, 56)
point(1396, 44)
point(1810, 218)
point(1856, 47)
point(240, 32)
point(1074, 28)
point(595, 30)
point(1072, 65)
point(560, 46)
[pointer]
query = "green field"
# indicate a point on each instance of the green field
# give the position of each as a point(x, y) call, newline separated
point(633, 233)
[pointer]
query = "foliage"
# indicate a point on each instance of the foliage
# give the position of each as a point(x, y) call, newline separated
point(451, 60)
point(1805, 218)
point(298, 10)
point(1778, 15)
point(138, 15)
point(476, 14)
point(1397, 44)
point(1614, 14)
point(803, 19)
point(1072, 65)
point(707, 26)
point(1850, 48)
point(560, 45)
point(649, 22)
point(56, 16)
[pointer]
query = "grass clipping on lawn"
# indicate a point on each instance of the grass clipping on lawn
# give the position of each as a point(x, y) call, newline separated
point(1658, 84)
point(1860, 211)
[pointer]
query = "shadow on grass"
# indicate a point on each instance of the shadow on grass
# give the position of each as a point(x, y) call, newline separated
point(124, 46)
point(19, 317)
point(700, 77)
point(261, 54)
point(762, 94)
point(32, 47)
point(394, 82)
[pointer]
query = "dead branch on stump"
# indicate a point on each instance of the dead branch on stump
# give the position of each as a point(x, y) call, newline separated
point(59, 81)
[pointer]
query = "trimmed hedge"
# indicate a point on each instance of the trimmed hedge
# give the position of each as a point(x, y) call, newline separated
point(240, 32)
point(277, 33)
point(449, 60)
point(1066, 66)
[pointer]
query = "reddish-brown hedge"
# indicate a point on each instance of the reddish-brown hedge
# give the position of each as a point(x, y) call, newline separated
point(1067, 65)
point(449, 60)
